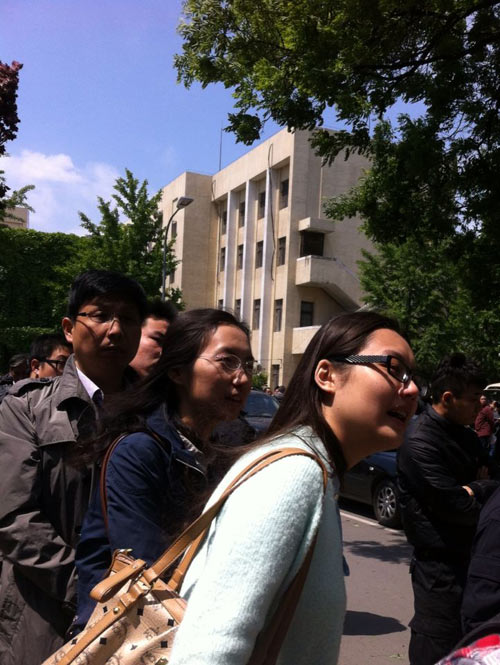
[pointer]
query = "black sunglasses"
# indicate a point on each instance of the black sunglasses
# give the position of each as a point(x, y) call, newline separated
point(58, 365)
point(394, 365)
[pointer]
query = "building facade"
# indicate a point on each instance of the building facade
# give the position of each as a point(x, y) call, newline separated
point(255, 241)
point(17, 218)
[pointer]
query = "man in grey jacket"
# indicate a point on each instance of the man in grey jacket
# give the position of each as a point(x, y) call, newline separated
point(43, 496)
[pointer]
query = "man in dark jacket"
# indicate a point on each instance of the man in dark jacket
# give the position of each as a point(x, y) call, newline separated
point(444, 479)
point(43, 498)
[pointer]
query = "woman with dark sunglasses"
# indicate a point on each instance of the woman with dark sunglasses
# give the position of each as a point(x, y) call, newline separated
point(351, 395)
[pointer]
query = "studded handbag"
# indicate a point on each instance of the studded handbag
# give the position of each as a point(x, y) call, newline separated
point(137, 613)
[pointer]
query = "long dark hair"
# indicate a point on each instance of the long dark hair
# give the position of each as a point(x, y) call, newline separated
point(343, 335)
point(127, 412)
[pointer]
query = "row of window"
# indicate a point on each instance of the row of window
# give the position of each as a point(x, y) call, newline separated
point(259, 255)
point(261, 206)
point(311, 244)
point(306, 313)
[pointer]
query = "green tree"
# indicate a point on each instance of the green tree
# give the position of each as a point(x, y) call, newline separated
point(432, 185)
point(129, 237)
point(33, 289)
point(9, 122)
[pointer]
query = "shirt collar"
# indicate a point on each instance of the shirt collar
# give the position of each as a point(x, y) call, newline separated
point(93, 390)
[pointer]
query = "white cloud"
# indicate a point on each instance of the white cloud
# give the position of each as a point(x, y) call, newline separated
point(62, 189)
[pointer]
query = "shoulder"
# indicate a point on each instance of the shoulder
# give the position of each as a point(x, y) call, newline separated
point(26, 386)
point(140, 446)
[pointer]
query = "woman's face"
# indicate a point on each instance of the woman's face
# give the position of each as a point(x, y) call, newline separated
point(368, 408)
point(209, 392)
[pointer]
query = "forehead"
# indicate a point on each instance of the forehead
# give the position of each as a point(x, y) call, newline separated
point(60, 351)
point(115, 303)
point(229, 338)
point(152, 325)
point(388, 342)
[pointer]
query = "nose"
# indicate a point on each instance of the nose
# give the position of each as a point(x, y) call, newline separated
point(240, 376)
point(115, 327)
point(410, 389)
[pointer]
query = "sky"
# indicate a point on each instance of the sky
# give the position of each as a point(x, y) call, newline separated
point(98, 94)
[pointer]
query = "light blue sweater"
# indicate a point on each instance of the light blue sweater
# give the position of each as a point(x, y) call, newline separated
point(254, 548)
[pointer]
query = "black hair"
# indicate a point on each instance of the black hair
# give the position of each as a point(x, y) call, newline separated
point(344, 335)
point(456, 373)
point(184, 340)
point(18, 360)
point(159, 309)
point(98, 283)
point(43, 345)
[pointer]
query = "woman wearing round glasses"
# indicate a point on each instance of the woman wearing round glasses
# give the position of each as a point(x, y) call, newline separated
point(202, 378)
point(351, 395)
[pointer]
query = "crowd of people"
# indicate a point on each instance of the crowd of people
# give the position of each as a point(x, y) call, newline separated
point(111, 439)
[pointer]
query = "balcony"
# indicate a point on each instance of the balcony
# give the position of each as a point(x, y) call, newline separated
point(301, 338)
point(317, 224)
point(331, 275)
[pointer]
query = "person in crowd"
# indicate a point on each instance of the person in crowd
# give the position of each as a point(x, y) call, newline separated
point(443, 478)
point(279, 392)
point(202, 378)
point(485, 423)
point(48, 355)
point(351, 394)
point(159, 316)
point(18, 370)
point(43, 498)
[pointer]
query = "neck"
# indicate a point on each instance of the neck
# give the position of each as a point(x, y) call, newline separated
point(202, 429)
point(109, 384)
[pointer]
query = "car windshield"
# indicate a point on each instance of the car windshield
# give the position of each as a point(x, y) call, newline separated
point(260, 404)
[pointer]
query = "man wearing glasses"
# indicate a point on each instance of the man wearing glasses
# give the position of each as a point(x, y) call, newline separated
point(48, 355)
point(43, 497)
point(444, 480)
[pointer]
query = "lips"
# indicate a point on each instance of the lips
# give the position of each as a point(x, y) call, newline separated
point(400, 415)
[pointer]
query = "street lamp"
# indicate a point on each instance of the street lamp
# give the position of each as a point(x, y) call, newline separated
point(182, 202)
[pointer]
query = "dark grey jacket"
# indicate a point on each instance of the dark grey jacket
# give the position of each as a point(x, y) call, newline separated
point(42, 503)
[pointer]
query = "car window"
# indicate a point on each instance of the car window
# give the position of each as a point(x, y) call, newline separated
point(260, 404)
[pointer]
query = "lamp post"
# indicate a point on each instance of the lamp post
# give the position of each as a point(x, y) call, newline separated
point(182, 202)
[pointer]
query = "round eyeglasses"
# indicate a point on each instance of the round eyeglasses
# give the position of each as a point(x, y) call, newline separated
point(230, 363)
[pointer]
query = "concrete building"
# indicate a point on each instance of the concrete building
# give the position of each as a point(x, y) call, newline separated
point(255, 241)
point(17, 218)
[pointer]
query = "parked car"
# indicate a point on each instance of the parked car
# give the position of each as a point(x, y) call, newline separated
point(259, 410)
point(373, 481)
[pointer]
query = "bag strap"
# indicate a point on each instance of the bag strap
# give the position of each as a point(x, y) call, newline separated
point(104, 468)
point(179, 573)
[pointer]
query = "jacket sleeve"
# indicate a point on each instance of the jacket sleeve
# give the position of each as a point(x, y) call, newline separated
point(139, 497)
point(433, 485)
point(261, 532)
point(27, 538)
point(481, 601)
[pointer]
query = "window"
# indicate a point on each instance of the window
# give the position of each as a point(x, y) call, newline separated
point(281, 251)
point(241, 214)
point(239, 258)
point(223, 222)
point(311, 243)
point(171, 277)
point(275, 376)
point(259, 252)
point(222, 260)
point(220, 304)
point(306, 313)
point(278, 314)
point(174, 230)
point(256, 314)
point(284, 194)
point(262, 204)
point(237, 308)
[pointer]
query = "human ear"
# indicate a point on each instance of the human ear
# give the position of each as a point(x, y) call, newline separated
point(67, 326)
point(176, 375)
point(34, 365)
point(447, 398)
point(325, 376)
